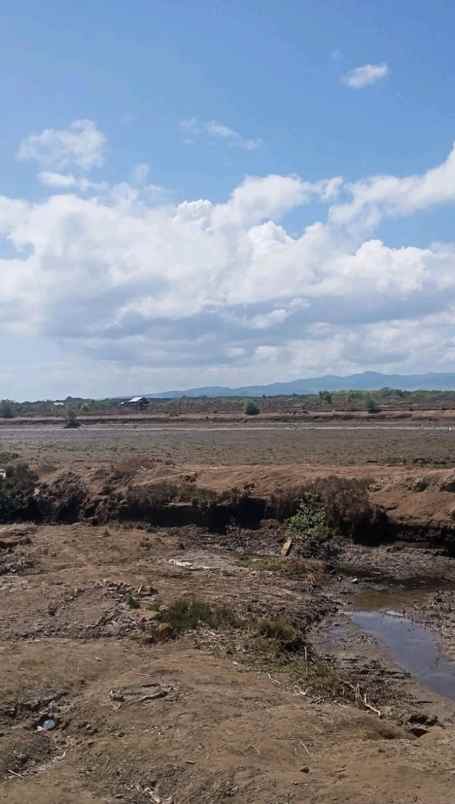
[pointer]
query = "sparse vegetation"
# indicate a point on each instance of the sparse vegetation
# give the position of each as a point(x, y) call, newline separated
point(308, 571)
point(280, 636)
point(326, 397)
point(185, 614)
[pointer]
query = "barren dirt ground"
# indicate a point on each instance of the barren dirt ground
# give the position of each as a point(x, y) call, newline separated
point(276, 697)
point(229, 446)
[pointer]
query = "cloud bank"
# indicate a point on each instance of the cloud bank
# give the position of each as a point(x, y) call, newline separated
point(191, 292)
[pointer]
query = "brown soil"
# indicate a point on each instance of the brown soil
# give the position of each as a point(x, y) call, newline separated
point(256, 704)
point(221, 721)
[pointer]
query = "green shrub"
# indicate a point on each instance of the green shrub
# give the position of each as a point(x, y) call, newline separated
point(372, 405)
point(310, 521)
point(6, 409)
point(251, 408)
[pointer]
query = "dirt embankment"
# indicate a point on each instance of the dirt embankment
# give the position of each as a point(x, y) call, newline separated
point(416, 416)
point(384, 503)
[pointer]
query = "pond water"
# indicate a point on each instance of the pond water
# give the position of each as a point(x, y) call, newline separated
point(413, 647)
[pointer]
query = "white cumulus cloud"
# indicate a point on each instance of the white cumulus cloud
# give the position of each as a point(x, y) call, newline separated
point(364, 76)
point(194, 129)
point(80, 146)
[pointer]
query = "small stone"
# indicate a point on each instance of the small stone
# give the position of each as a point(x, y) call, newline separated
point(48, 725)
point(305, 769)
point(152, 615)
point(165, 631)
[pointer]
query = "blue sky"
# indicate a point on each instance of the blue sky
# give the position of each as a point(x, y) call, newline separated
point(118, 118)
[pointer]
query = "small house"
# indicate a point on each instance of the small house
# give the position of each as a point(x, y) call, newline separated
point(137, 402)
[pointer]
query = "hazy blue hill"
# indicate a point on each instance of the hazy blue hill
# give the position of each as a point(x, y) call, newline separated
point(366, 381)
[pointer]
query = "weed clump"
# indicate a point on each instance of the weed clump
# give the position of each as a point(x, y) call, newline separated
point(186, 614)
point(278, 636)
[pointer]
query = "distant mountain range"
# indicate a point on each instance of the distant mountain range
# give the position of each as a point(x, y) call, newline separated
point(366, 381)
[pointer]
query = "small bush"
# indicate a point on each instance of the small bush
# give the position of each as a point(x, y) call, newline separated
point(251, 408)
point(71, 420)
point(187, 614)
point(372, 405)
point(281, 632)
point(311, 527)
point(6, 409)
point(310, 521)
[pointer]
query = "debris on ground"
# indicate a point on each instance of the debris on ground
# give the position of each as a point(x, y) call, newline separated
point(139, 693)
point(287, 546)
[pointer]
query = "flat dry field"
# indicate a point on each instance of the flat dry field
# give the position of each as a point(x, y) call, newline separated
point(341, 445)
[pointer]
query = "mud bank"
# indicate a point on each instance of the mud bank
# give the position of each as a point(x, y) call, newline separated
point(365, 510)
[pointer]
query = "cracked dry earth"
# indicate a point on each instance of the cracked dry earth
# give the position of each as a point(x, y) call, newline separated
point(139, 714)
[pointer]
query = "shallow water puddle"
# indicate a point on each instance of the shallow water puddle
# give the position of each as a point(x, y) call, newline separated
point(412, 646)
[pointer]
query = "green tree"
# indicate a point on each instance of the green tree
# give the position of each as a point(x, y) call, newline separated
point(251, 408)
